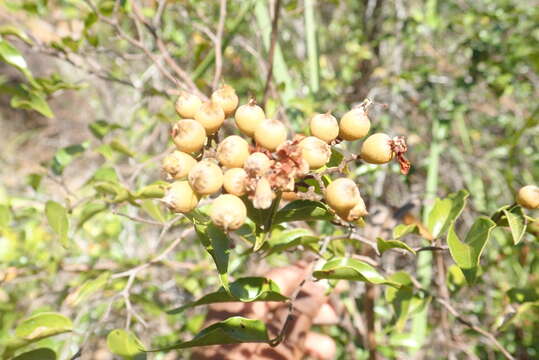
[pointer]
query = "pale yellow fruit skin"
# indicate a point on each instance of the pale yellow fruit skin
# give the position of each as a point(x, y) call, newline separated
point(206, 177)
point(264, 195)
point(234, 181)
point(353, 214)
point(342, 195)
point(187, 105)
point(180, 197)
point(228, 212)
point(257, 163)
point(248, 117)
point(324, 127)
point(270, 134)
point(190, 135)
point(178, 164)
point(211, 116)
point(376, 149)
point(528, 197)
point(226, 98)
point(355, 124)
point(315, 151)
point(233, 151)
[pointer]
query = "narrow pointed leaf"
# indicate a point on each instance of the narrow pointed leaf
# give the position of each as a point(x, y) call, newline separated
point(384, 245)
point(217, 244)
point(517, 224)
point(350, 269)
point(303, 210)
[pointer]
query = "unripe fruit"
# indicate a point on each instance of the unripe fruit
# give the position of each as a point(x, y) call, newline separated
point(315, 151)
point(211, 116)
point(234, 181)
point(248, 117)
point(354, 125)
point(325, 127)
point(264, 195)
point(187, 105)
point(226, 98)
point(206, 177)
point(188, 135)
point(358, 211)
point(376, 149)
point(233, 151)
point(180, 197)
point(178, 164)
point(528, 197)
point(342, 195)
point(228, 212)
point(270, 134)
point(257, 164)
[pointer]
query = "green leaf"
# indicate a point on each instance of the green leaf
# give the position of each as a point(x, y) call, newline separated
point(89, 211)
point(384, 245)
point(467, 254)
point(87, 289)
point(58, 220)
point(403, 230)
point(445, 212)
point(100, 128)
point(248, 289)
point(37, 354)
point(12, 30)
point(124, 343)
point(291, 238)
point(121, 148)
point(65, 156)
point(5, 216)
point(234, 330)
point(216, 243)
point(32, 100)
point(303, 210)
point(43, 325)
point(350, 269)
point(335, 159)
point(517, 224)
point(11, 56)
point(153, 210)
point(153, 191)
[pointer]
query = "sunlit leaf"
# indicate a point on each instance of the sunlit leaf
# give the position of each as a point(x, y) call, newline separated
point(350, 269)
point(124, 343)
point(65, 156)
point(303, 210)
point(384, 245)
point(217, 244)
point(58, 220)
point(445, 211)
point(43, 325)
point(517, 224)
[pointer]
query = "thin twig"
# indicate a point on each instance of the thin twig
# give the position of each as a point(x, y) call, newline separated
point(219, 45)
point(271, 53)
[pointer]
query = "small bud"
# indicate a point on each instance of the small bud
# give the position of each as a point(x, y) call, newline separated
point(188, 136)
point(206, 177)
point(228, 212)
point(233, 151)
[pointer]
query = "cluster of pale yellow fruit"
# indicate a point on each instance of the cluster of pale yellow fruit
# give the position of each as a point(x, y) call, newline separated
point(265, 162)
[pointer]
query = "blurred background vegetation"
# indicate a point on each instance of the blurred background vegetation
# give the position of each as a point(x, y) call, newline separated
point(87, 99)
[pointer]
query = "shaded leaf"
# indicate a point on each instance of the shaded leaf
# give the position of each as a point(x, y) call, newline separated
point(291, 238)
point(303, 210)
point(384, 245)
point(153, 210)
point(350, 269)
point(58, 220)
point(37, 354)
point(246, 289)
point(233, 330)
point(216, 243)
point(467, 254)
point(100, 128)
point(32, 100)
point(65, 156)
point(124, 343)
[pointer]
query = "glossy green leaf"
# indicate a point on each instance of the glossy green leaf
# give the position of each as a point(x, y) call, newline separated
point(517, 223)
point(65, 156)
point(336, 158)
point(403, 230)
point(58, 220)
point(124, 343)
point(303, 210)
point(217, 244)
point(233, 330)
point(445, 211)
point(350, 269)
point(43, 325)
point(384, 245)
point(37, 354)
point(248, 289)
point(467, 254)
point(87, 289)
point(290, 238)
